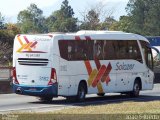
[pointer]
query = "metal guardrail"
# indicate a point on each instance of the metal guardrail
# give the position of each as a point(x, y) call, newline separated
point(5, 73)
point(5, 80)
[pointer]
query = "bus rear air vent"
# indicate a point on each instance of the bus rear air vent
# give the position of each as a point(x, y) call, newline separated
point(33, 61)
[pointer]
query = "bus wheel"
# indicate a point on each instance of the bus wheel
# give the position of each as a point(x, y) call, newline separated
point(101, 94)
point(136, 89)
point(81, 94)
point(46, 99)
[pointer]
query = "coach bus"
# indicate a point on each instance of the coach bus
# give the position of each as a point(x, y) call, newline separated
point(87, 62)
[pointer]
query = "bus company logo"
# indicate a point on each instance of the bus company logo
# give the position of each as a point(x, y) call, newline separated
point(99, 75)
point(28, 46)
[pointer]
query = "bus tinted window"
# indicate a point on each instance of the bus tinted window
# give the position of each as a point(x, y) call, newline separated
point(109, 50)
point(63, 48)
point(134, 51)
point(100, 49)
point(76, 50)
point(122, 49)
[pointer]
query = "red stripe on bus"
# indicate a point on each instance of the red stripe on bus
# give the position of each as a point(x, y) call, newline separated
point(88, 38)
point(25, 38)
point(88, 66)
point(107, 79)
point(34, 44)
point(77, 38)
point(99, 75)
point(50, 36)
point(106, 74)
point(97, 62)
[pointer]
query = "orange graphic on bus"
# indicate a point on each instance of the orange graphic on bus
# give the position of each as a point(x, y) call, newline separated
point(27, 46)
point(96, 76)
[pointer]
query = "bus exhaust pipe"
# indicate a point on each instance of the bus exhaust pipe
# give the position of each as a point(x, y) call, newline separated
point(19, 91)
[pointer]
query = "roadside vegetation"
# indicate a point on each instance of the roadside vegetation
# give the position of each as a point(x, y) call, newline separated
point(109, 111)
point(116, 108)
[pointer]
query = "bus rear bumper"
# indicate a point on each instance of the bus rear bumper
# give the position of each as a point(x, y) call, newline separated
point(42, 91)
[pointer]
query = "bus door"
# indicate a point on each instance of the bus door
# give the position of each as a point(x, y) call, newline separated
point(149, 63)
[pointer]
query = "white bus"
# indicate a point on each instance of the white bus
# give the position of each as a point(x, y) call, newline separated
point(86, 62)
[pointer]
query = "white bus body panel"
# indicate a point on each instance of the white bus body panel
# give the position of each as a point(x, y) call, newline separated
point(121, 80)
point(26, 48)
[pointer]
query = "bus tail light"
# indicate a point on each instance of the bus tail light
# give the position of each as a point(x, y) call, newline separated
point(53, 78)
point(14, 77)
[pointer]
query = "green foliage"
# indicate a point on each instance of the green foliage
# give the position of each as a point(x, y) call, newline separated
point(62, 20)
point(124, 24)
point(6, 49)
point(1, 21)
point(12, 29)
point(7, 34)
point(49, 22)
point(91, 21)
point(144, 16)
point(66, 9)
point(108, 23)
point(31, 20)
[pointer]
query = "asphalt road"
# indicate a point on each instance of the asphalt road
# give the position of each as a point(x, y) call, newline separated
point(20, 103)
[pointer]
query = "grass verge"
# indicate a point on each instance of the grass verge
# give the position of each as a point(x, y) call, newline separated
point(116, 108)
point(127, 110)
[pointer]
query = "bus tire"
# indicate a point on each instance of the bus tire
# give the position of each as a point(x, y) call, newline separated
point(136, 89)
point(101, 94)
point(81, 94)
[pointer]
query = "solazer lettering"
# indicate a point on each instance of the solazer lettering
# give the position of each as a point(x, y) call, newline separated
point(124, 66)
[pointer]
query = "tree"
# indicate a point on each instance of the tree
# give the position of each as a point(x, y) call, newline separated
point(5, 54)
point(6, 42)
point(31, 20)
point(109, 21)
point(144, 16)
point(13, 29)
point(1, 22)
point(66, 9)
point(49, 22)
point(6, 49)
point(92, 21)
point(97, 18)
point(124, 24)
point(63, 19)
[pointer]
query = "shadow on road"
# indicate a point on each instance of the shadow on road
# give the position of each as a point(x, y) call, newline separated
point(102, 100)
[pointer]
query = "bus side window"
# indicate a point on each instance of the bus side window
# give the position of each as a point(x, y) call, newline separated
point(71, 50)
point(109, 51)
point(63, 48)
point(80, 50)
point(98, 49)
point(89, 49)
point(122, 49)
point(134, 51)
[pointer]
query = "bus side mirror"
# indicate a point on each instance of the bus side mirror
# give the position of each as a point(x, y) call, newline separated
point(157, 53)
